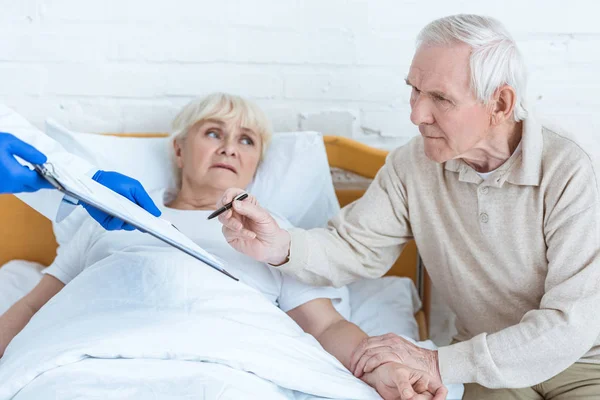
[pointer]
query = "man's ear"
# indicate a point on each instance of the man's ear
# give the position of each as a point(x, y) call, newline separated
point(505, 99)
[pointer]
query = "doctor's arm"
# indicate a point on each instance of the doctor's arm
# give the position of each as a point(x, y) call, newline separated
point(16, 131)
point(27, 142)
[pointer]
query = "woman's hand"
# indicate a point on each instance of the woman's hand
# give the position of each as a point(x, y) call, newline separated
point(251, 230)
point(394, 381)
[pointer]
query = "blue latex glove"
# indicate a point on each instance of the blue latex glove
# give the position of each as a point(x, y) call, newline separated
point(127, 187)
point(14, 177)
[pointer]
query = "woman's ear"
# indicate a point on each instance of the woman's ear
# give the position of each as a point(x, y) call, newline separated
point(178, 149)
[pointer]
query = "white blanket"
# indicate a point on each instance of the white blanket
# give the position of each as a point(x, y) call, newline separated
point(103, 335)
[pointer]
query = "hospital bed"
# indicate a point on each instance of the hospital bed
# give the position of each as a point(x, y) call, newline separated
point(27, 235)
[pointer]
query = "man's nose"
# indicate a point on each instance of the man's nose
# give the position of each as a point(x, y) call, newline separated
point(421, 112)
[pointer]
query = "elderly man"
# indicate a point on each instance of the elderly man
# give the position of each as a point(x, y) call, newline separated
point(505, 213)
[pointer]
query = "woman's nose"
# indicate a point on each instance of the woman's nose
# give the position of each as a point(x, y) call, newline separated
point(229, 149)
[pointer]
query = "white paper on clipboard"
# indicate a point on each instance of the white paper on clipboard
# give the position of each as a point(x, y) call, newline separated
point(91, 192)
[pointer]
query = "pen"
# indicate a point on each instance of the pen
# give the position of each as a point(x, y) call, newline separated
point(228, 205)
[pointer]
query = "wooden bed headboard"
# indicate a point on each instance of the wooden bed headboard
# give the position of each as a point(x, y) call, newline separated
point(27, 235)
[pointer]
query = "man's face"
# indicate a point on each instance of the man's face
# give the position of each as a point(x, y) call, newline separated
point(444, 107)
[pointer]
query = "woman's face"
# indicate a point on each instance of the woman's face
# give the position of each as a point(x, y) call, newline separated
point(218, 155)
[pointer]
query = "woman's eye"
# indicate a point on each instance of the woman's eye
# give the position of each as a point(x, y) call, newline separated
point(248, 141)
point(212, 134)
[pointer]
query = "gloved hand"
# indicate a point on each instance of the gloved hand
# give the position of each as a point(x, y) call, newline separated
point(127, 187)
point(14, 177)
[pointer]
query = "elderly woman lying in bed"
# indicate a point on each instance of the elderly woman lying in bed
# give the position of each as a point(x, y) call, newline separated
point(127, 296)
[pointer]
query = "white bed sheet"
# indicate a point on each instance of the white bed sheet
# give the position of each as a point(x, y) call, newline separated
point(172, 378)
point(378, 306)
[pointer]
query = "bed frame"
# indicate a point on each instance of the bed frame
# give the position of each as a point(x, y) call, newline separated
point(27, 235)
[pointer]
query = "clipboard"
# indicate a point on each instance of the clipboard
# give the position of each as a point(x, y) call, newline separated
point(88, 191)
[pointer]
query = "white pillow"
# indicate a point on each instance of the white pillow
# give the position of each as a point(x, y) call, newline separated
point(146, 160)
point(385, 305)
point(293, 180)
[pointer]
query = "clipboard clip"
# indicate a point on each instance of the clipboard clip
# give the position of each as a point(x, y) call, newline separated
point(47, 172)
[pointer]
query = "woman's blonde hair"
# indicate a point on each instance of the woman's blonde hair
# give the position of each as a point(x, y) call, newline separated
point(221, 107)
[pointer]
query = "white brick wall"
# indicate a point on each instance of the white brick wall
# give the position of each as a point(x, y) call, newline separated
point(332, 65)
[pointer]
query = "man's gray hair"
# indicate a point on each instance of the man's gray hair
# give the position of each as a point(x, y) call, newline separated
point(495, 58)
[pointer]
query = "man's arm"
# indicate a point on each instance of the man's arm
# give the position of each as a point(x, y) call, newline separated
point(338, 336)
point(16, 317)
point(362, 241)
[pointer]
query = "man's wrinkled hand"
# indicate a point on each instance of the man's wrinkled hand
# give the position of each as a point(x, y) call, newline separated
point(378, 350)
point(251, 230)
point(394, 381)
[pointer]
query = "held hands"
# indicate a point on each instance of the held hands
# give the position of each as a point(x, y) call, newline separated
point(127, 187)
point(394, 381)
point(14, 177)
point(251, 230)
point(379, 350)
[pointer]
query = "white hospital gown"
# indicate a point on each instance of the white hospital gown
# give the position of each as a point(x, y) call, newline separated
point(92, 244)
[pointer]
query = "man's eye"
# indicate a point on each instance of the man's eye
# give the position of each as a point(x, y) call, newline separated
point(212, 134)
